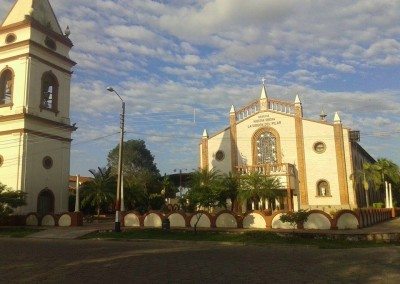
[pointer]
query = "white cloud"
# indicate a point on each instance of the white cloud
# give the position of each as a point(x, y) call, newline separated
point(169, 57)
point(133, 32)
point(324, 62)
point(191, 59)
point(186, 71)
point(302, 76)
point(384, 52)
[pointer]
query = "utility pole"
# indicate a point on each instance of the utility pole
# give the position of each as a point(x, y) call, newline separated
point(77, 194)
point(117, 227)
point(119, 183)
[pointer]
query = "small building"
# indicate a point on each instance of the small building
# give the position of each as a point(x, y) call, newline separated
point(72, 182)
point(35, 127)
point(314, 159)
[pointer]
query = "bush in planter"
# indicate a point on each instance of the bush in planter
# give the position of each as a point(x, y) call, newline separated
point(9, 200)
point(378, 205)
point(295, 218)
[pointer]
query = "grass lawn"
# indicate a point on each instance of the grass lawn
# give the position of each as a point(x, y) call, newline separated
point(246, 237)
point(17, 232)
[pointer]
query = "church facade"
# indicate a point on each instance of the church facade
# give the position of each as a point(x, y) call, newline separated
point(35, 128)
point(315, 160)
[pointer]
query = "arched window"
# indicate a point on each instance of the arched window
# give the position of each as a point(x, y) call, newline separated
point(323, 188)
point(266, 148)
point(49, 94)
point(6, 87)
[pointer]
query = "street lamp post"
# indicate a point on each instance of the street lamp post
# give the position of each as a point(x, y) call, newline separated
point(117, 227)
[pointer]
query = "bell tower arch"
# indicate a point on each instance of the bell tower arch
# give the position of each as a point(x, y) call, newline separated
point(35, 128)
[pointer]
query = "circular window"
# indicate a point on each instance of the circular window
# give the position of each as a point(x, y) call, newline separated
point(10, 38)
point(220, 155)
point(319, 147)
point(50, 43)
point(1, 160)
point(47, 162)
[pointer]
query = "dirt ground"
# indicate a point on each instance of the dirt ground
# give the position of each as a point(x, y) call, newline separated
point(95, 261)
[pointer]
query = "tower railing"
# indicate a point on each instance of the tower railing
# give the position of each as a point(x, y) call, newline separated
point(280, 106)
point(252, 108)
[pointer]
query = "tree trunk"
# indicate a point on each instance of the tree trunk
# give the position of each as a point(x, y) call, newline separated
point(234, 206)
point(198, 216)
point(367, 198)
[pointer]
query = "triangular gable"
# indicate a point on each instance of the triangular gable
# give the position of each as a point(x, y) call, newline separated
point(42, 12)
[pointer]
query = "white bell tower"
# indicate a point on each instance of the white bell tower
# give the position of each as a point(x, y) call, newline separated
point(35, 129)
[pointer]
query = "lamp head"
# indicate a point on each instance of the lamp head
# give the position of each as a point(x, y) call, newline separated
point(110, 89)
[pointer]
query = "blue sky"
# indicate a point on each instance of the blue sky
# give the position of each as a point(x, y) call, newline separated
point(169, 58)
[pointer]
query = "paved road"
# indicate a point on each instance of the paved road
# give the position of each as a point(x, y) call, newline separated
point(93, 261)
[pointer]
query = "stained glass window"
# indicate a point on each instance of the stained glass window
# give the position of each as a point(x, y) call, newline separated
point(266, 148)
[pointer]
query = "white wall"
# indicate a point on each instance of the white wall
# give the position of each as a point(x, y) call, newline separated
point(283, 124)
point(222, 142)
point(320, 166)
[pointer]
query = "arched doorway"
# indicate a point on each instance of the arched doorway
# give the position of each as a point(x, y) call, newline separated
point(45, 202)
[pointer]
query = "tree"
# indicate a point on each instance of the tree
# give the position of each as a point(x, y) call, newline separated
point(168, 188)
point(139, 171)
point(135, 197)
point(231, 188)
point(142, 191)
point(9, 200)
point(388, 169)
point(99, 191)
point(256, 186)
point(271, 189)
point(136, 159)
point(205, 191)
point(376, 174)
point(367, 176)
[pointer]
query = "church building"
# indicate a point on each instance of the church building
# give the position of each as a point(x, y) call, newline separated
point(35, 128)
point(315, 160)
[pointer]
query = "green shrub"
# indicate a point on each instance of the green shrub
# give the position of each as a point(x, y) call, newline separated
point(295, 218)
point(9, 200)
point(378, 205)
point(156, 201)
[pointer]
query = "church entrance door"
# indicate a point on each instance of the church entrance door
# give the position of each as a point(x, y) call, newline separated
point(45, 202)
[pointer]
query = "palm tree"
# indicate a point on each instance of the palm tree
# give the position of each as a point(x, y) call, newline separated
point(272, 189)
point(206, 188)
point(205, 191)
point(205, 178)
point(376, 174)
point(250, 187)
point(367, 176)
point(231, 187)
point(388, 170)
point(100, 190)
point(256, 186)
